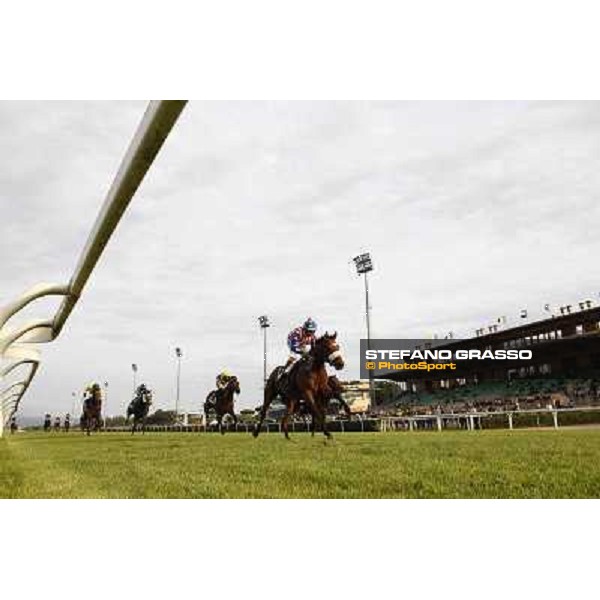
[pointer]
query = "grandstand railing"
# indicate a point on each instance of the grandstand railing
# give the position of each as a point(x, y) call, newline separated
point(475, 419)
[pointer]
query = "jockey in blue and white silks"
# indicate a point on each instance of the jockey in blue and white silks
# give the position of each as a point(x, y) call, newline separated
point(300, 341)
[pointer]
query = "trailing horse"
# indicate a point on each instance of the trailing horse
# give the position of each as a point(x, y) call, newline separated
point(139, 407)
point(306, 382)
point(91, 418)
point(222, 402)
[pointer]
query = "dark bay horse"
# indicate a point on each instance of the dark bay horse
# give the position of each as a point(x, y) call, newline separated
point(91, 417)
point(335, 392)
point(222, 402)
point(307, 382)
point(139, 408)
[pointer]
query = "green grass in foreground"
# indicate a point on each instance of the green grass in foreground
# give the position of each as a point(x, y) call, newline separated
point(487, 464)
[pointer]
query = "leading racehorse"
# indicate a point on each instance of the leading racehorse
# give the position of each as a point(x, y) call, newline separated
point(222, 402)
point(307, 381)
point(139, 408)
point(335, 392)
point(91, 418)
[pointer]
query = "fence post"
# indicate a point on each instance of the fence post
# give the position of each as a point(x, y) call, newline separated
point(439, 423)
point(510, 420)
point(555, 418)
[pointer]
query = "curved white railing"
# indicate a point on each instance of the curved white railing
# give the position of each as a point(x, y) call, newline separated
point(156, 124)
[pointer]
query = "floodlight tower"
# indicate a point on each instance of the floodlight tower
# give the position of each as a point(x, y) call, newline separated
point(264, 324)
point(134, 368)
point(105, 403)
point(178, 354)
point(364, 265)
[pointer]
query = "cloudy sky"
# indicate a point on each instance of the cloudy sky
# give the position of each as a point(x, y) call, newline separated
point(470, 210)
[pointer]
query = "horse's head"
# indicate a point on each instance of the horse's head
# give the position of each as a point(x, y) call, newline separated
point(148, 397)
point(234, 384)
point(329, 350)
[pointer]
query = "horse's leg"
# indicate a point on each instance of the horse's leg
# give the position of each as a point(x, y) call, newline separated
point(261, 418)
point(270, 394)
point(319, 413)
point(289, 411)
point(322, 410)
point(220, 423)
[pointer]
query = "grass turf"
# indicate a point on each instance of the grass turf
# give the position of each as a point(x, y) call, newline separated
point(486, 464)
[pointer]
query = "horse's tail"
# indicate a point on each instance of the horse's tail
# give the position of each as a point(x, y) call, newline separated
point(272, 385)
point(271, 391)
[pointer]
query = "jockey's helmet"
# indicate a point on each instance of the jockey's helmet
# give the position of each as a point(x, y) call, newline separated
point(224, 373)
point(309, 325)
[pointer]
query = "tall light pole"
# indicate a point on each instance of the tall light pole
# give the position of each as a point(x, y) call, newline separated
point(264, 324)
point(364, 265)
point(105, 403)
point(178, 354)
point(134, 368)
point(73, 404)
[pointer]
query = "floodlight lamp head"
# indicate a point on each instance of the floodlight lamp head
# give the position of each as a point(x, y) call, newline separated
point(363, 263)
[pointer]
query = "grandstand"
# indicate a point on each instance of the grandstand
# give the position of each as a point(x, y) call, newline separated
point(564, 371)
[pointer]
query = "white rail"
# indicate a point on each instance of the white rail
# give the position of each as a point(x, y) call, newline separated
point(473, 419)
point(156, 124)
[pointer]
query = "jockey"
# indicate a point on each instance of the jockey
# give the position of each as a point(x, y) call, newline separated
point(223, 378)
point(141, 389)
point(141, 393)
point(89, 389)
point(88, 392)
point(300, 341)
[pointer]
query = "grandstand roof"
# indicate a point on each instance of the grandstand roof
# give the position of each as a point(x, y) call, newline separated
point(579, 336)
